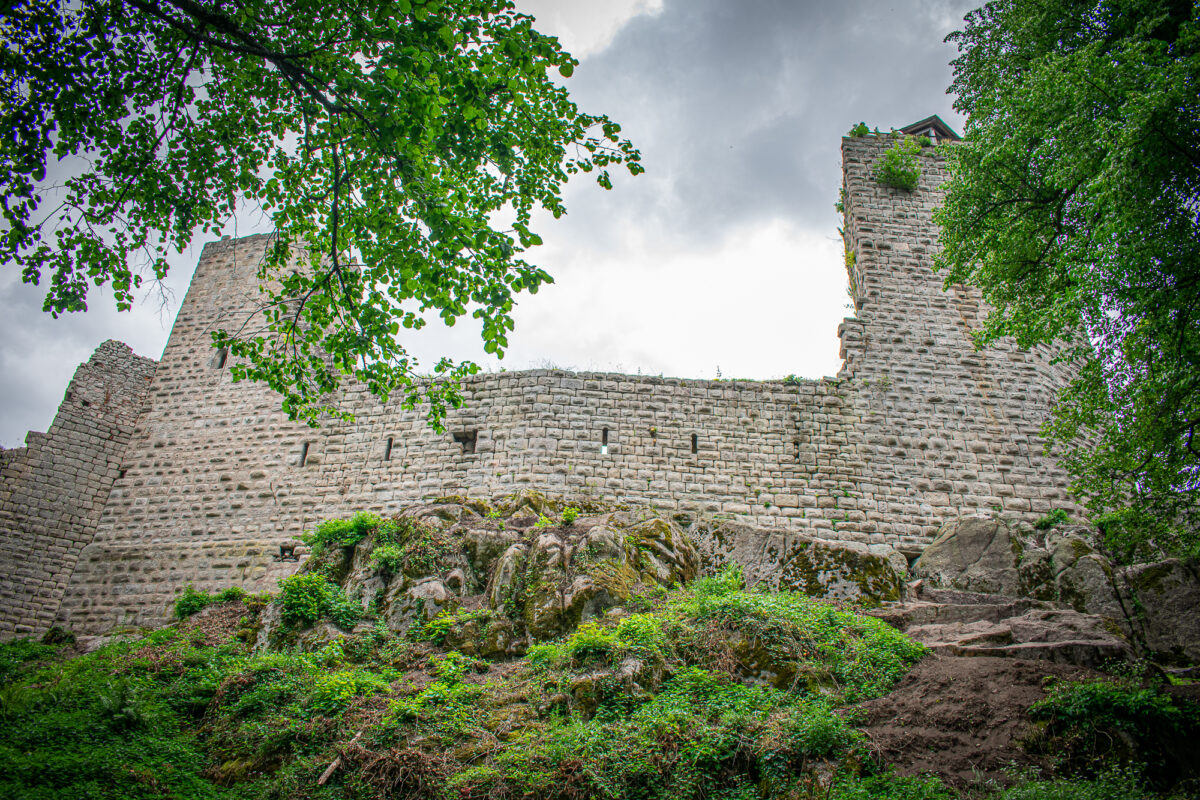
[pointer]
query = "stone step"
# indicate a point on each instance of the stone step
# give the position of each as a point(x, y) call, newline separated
point(971, 624)
point(920, 612)
point(922, 590)
point(1082, 653)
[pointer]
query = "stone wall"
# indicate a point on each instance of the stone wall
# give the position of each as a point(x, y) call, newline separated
point(916, 428)
point(52, 490)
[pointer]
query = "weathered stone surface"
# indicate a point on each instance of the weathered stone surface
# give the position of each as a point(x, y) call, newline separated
point(975, 554)
point(819, 568)
point(1154, 606)
point(53, 491)
point(1163, 600)
point(976, 624)
point(1082, 577)
point(986, 555)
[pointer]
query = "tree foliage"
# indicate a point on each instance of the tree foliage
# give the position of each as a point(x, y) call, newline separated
point(1075, 206)
point(399, 147)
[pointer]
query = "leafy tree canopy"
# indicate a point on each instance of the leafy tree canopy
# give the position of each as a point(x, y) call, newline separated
point(400, 148)
point(1075, 206)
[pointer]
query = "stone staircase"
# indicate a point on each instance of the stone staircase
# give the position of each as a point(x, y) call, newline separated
point(960, 623)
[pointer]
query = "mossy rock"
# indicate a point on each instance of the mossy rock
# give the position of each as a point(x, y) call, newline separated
point(816, 567)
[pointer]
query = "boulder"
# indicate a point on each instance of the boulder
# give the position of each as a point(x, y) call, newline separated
point(1083, 578)
point(1163, 601)
point(974, 554)
point(978, 554)
point(790, 561)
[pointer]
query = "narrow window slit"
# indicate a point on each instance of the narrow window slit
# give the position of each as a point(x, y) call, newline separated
point(303, 454)
point(387, 450)
point(695, 443)
point(797, 443)
point(604, 442)
point(221, 357)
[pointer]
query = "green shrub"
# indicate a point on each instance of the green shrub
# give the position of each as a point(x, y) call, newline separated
point(406, 547)
point(860, 129)
point(701, 735)
point(589, 642)
point(860, 656)
point(899, 168)
point(641, 635)
point(1116, 785)
point(1056, 517)
point(889, 786)
point(304, 597)
point(333, 691)
point(1094, 727)
point(388, 558)
point(569, 515)
point(16, 699)
point(544, 656)
point(190, 601)
point(341, 532)
point(231, 593)
point(307, 597)
point(122, 707)
point(343, 610)
point(56, 634)
point(1136, 535)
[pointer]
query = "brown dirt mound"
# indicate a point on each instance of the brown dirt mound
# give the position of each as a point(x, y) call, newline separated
point(962, 719)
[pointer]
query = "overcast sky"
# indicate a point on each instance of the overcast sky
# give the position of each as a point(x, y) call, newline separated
point(723, 257)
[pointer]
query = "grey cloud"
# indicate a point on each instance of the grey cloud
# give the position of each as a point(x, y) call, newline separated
point(739, 107)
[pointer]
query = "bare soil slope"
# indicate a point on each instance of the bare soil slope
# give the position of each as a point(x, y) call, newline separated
point(962, 719)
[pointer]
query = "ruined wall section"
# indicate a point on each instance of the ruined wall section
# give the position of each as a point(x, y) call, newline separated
point(917, 428)
point(944, 429)
point(763, 452)
point(211, 484)
point(52, 491)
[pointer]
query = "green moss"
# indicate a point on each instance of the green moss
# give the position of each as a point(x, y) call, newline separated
point(813, 569)
point(1080, 548)
point(1150, 578)
point(615, 577)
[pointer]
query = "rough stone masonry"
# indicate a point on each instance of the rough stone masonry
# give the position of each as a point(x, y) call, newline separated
point(155, 476)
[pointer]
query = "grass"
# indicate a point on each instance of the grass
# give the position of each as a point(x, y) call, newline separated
point(703, 692)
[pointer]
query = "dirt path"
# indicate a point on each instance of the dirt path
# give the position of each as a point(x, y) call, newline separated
point(962, 719)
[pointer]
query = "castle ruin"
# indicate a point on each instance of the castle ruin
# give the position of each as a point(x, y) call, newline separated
point(156, 475)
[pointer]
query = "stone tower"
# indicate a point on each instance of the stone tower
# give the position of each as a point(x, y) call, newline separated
point(942, 429)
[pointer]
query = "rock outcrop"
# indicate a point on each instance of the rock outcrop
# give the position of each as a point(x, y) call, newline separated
point(495, 576)
point(976, 624)
point(501, 575)
point(1152, 606)
point(1163, 600)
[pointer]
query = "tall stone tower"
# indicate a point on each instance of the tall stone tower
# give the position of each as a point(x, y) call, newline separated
point(53, 490)
point(210, 483)
point(942, 429)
